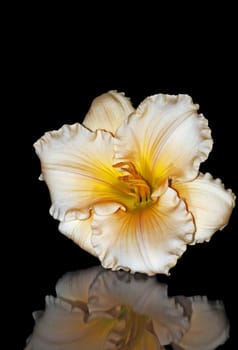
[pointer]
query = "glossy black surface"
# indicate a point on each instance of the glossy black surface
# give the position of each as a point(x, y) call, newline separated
point(60, 92)
point(97, 308)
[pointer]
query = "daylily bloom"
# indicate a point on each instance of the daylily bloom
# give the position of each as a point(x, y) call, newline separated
point(126, 186)
point(101, 309)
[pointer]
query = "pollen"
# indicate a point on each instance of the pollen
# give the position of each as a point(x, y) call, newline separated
point(137, 187)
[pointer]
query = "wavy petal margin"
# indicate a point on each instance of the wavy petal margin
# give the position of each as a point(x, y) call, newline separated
point(77, 167)
point(148, 241)
point(209, 202)
point(167, 139)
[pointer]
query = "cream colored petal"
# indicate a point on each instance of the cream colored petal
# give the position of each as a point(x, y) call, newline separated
point(148, 241)
point(165, 137)
point(147, 341)
point(132, 332)
point(145, 296)
point(80, 232)
point(108, 111)
point(209, 202)
point(209, 326)
point(129, 329)
point(170, 322)
point(65, 327)
point(116, 293)
point(122, 288)
point(136, 341)
point(76, 165)
point(74, 286)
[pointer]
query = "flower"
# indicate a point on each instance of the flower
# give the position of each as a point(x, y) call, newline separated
point(125, 185)
point(101, 309)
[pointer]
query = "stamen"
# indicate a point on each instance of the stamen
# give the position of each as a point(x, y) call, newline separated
point(138, 187)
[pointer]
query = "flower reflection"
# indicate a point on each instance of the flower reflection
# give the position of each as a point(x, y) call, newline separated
point(100, 309)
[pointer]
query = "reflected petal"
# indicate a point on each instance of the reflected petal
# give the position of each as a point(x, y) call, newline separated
point(76, 165)
point(98, 309)
point(65, 327)
point(120, 287)
point(168, 138)
point(67, 323)
point(209, 326)
point(108, 111)
point(74, 286)
point(148, 241)
point(145, 296)
point(209, 202)
point(132, 331)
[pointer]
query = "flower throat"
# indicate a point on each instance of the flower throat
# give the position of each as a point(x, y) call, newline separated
point(136, 186)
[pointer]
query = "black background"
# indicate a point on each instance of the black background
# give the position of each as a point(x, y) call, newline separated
point(60, 70)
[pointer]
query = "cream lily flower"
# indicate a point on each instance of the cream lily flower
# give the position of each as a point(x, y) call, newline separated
point(126, 186)
point(101, 309)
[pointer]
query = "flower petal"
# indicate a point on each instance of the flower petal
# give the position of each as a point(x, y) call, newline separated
point(209, 326)
point(165, 137)
point(64, 326)
point(132, 331)
point(146, 296)
point(75, 286)
point(76, 165)
point(90, 286)
point(122, 288)
point(80, 232)
point(148, 341)
point(108, 111)
point(148, 241)
point(209, 202)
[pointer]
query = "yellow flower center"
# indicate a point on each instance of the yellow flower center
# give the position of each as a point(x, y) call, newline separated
point(135, 185)
point(135, 329)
